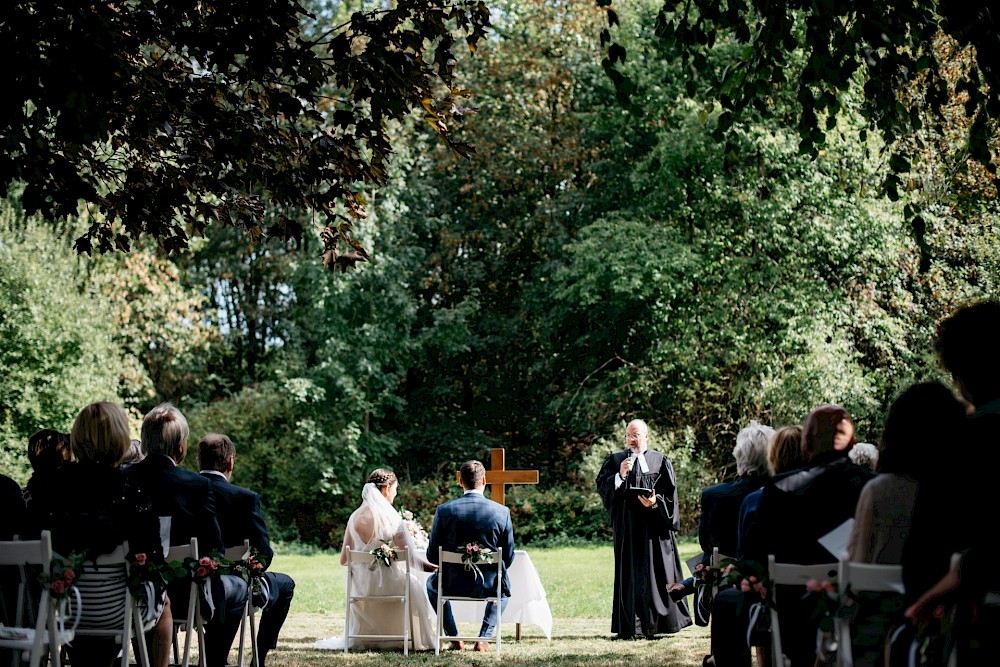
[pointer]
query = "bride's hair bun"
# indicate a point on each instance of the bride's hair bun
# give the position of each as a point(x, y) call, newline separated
point(382, 478)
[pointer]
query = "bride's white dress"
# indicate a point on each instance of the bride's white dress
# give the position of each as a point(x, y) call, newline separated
point(375, 522)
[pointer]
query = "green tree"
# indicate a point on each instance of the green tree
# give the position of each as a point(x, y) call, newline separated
point(885, 45)
point(169, 117)
point(57, 337)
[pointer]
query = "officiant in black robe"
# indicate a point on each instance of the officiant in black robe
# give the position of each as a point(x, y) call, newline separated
point(639, 491)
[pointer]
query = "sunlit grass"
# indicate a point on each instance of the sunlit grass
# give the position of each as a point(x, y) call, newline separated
point(578, 583)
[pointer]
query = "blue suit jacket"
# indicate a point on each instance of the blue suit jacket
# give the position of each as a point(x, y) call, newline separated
point(720, 513)
point(239, 515)
point(472, 518)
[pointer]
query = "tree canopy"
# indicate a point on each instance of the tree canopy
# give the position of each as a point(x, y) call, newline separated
point(820, 50)
point(164, 118)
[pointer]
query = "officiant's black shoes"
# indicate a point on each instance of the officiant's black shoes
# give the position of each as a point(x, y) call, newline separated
point(621, 636)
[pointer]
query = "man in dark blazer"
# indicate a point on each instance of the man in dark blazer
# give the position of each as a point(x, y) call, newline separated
point(184, 501)
point(240, 518)
point(469, 519)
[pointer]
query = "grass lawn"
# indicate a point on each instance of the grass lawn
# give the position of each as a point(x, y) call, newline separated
point(578, 583)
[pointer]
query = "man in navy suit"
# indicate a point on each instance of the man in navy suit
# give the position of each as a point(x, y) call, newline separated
point(471, 518)
point(240, 518)
point(184, 500)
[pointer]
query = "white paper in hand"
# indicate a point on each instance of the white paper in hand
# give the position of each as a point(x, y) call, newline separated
point(836, 540)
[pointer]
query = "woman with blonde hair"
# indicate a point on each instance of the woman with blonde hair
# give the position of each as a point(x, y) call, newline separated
point(91, 508)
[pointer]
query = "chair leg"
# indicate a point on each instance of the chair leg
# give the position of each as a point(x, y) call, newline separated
point(141, 650)
point(254, 657)
point(243, 637)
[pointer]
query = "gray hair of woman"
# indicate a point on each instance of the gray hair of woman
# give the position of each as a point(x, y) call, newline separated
point(751, 448)
point(864, 454)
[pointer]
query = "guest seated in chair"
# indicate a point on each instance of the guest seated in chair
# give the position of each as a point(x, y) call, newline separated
point(90, 507)
point(954, 513)
point(240, 518)
point(720, 505)
point(804, 505)
point(184, 500)
point(922, 419)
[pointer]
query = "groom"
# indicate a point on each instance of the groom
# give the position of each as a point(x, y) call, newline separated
point(471, 518)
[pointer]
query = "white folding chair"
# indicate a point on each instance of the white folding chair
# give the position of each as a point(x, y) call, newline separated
point(108, 609)
point(365, 558)
point(791, 574)
point(192, 621)
point(48, 631)
point(856, 577)
point(249, 620)
point(455, 559)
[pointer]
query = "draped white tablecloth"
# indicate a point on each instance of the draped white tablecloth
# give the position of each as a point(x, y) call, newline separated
point(527, 604)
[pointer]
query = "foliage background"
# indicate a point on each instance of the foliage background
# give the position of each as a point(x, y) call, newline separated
point(590, 264)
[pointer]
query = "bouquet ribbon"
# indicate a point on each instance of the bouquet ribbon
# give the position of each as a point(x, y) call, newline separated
point(470, 566)
point(756, 609)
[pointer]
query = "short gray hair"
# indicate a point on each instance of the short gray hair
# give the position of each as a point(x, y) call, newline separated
point(864, 454)
point(164, 431)
point(751, 448)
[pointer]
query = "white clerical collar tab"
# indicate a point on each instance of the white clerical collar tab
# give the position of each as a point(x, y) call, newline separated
point(643, 466)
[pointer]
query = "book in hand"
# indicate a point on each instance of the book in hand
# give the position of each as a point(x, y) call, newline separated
point(637, 491)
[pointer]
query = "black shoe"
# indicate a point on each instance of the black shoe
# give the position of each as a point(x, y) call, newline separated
point(619, 637)
point(650, 638)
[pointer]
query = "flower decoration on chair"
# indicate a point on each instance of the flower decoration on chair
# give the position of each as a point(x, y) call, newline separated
point(62, 574)
point(751, 578)
point(147, 576)
point(823, 602)
point(414, 528)
point(251, 568)
point(384, 554)
point(707, 577)
point(201, 569)
point(473, 554)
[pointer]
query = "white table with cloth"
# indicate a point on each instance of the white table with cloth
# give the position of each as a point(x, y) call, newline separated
point(527, 604)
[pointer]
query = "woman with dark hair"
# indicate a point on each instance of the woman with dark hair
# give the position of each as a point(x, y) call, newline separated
point(373, 524)
point(921, 420)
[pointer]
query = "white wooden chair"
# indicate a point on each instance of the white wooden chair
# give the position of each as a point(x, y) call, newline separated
point(791, 574)
point(249, 620)
point(192, 621)
point(365, 558)
point(48, 632)
point(856, 577)
point(108, 609)
point(453, 559)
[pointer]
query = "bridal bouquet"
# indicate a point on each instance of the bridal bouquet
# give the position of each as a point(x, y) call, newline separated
point(384, 554)
point(414, 528)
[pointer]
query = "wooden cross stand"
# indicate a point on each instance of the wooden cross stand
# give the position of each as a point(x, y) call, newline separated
point(498, 477)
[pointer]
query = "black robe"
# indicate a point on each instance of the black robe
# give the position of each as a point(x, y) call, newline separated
point(646, 559)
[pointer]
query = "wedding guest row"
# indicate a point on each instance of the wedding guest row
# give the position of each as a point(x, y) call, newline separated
point(95, 488)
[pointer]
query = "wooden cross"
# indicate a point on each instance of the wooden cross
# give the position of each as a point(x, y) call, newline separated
point(498, 477)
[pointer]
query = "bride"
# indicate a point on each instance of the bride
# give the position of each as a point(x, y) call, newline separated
point(375, 522)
